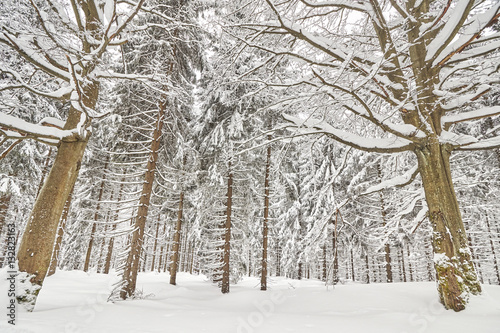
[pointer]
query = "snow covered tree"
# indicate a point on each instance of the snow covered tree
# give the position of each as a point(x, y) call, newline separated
point(399, 76)
point(68, 53)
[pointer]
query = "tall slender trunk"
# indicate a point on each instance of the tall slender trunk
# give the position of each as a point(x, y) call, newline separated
point(164, 237)
point(60, 234)
point(455, 274)
point(278, 260)
point(155, 244)
point(111, 242)
point(323, 277)
point(263, 273)
point(35, 251)
point(410, 268)
point(96, 216)
point(133, 259)
point(4, 207)
point(367, 264)
point(403, 268)
point(335, 277)
point(383, 212)
point(176, 246)
point(227, 233)
point(495, 262)
point(352, 266)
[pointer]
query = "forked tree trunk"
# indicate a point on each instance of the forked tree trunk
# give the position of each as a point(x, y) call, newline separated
point(60, 234)
point(133, 259)
point(455, 274)
point(227, 234)
point(35, 251)
point(176, 246)
point(263, 273)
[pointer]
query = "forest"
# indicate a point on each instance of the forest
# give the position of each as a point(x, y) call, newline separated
point(332, 141)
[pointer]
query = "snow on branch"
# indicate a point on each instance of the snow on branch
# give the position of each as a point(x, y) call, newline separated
point(471, 115)
point(454, 20)
point(346, 4)
point(490, 143)
point(48, 130)
point(378, 145)
point(405, 179)
point(473, 31)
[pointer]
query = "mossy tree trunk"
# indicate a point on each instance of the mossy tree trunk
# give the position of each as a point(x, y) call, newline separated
point(455, 274)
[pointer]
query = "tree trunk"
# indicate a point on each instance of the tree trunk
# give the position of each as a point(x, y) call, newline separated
point(4, 207)
point(409, 262)
point(495, 262)
point(35, 251)
point(263, 273)
point(109, 253)
point(367, 264)
point(352, 266)
point(388, 268)
point(324, 263)
point(164, 237)
point(60, 234)
point(44, 171)
point(335, 277)
point(403, 268)
point(455, 275)
point(133, 259)
point(227, 234)
point(155, 244)
point(94, 225)
point(176, 246)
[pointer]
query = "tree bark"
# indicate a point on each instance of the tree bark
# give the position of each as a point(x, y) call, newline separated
point(495, 262)
point(176, 246)
point(109, 253)
point(4, 207)
point(227, 234)
point(455, 274)
point(133, 259)
point(35, 251)
point(60, 234)
point(155, 244)
point(388, 268)
point(263, 273)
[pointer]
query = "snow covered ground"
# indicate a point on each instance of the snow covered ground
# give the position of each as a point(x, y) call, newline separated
point(76, 302)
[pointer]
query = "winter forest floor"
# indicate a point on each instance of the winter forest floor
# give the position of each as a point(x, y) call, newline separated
point(77, 302)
